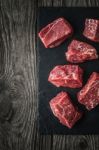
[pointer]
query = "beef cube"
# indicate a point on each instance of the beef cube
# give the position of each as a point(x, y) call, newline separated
point(91, 30)
point(89, 94)
point(64, 110)
point(80, 52)
point(55, 33)
point(66, 76)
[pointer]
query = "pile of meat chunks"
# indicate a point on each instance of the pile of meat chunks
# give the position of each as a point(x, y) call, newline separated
point(71, 75)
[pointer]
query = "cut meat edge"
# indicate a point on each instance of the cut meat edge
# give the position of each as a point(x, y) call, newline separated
point(63, 120)
point(79, 51)
point(90, 38)
point(62, 108)
point(57, 42)
point(49, 27)
point(89, 94)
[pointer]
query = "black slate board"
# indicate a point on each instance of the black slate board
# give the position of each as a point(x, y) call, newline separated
point(49, 58)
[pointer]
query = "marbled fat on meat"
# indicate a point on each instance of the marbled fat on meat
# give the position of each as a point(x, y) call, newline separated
point(89, 94)
point(55, 33)
point(64, 110)
point(91, 30)
point(80, 52)
point(66, 76)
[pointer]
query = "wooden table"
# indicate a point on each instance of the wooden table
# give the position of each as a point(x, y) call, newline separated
point(19, 80)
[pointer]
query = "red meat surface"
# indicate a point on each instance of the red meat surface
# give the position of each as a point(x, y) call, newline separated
point(91, 30)
point(55, 33)
point(80, 52)
point(64, 110)
point(89, 94)
point(66, 76)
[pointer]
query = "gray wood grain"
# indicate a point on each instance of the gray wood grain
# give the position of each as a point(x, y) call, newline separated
point(19, 80)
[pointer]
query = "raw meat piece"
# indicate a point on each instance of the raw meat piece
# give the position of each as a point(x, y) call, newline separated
point(89, 95)
point(64, 110)
point(80, 52)
point(91, 30)
point(66, 76)
point(55, 33)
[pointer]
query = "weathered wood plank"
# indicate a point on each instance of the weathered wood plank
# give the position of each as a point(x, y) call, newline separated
point(17, 22)
point(69, 3)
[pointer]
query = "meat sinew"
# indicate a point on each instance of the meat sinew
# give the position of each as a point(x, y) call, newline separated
point(91, 30)
point(80, 52)
point(64, 110)
point(66, 76)
point(55, 33)
point(89, 95)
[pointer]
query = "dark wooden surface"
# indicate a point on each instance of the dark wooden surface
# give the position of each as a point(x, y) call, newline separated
point(19, 80)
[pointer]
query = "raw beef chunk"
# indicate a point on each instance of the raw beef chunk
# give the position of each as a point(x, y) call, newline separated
point(80, 51)
point(66, 76)
point(55, 33)
point(91, 30)
point(64, 110)
point(89, 95)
